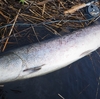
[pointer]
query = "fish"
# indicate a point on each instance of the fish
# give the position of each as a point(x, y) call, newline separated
point(49, 55)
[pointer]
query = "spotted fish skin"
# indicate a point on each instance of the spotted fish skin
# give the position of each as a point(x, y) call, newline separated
point(50, 55)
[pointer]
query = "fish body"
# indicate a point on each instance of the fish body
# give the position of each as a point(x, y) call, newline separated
point(50, 55)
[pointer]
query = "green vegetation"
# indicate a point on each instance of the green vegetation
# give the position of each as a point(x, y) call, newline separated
point(22, 1)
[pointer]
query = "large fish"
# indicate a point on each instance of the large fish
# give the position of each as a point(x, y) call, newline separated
point(48, 56)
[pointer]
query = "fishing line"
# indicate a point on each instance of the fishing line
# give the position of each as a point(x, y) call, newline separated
point(47, 23)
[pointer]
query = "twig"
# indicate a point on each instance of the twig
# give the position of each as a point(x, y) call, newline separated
point(35, 33)
point(43, 10)
point(6, 17)
point(61, 96)
point(75, 8)
point(11, 29)
point(44, 2)
point(84, 89)
point(97, 88)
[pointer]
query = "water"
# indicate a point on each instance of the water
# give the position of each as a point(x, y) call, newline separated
point(79, 80)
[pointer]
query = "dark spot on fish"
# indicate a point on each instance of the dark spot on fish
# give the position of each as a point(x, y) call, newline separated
point(86, 53)
point(34, 69)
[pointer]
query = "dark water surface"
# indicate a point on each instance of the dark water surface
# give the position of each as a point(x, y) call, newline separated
point(79, 80)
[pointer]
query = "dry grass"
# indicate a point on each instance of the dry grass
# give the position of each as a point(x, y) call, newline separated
point(38, 13)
